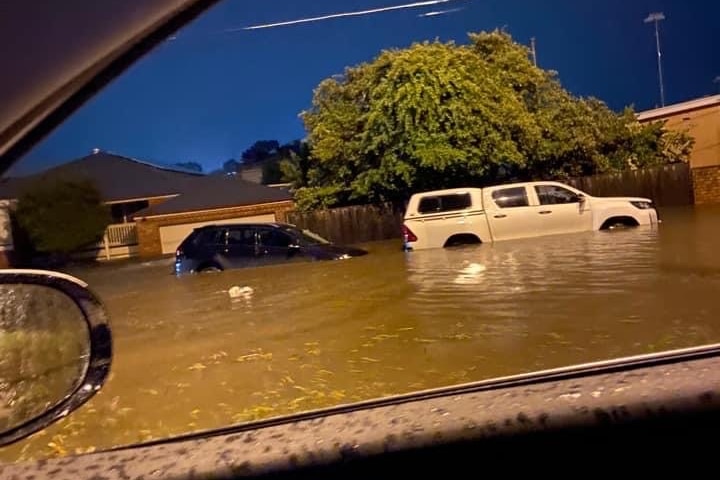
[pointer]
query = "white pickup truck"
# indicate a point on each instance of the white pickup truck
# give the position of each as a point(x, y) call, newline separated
point(444, 218)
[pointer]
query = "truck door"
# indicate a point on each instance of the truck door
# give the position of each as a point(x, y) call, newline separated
point(510, 213)
point(561, 211)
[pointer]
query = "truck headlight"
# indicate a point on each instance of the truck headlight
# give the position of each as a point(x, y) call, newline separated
point(642, 205)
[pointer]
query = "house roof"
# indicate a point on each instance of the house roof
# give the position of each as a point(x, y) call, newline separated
point(663, 112)
point(213, 192)
point(121, 178)
point(116, 177)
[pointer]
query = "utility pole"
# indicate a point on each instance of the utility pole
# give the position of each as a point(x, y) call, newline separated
point(533, 52)
point(656, 18)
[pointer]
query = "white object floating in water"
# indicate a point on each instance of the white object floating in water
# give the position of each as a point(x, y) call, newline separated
point(238, 292)
point(473, 269)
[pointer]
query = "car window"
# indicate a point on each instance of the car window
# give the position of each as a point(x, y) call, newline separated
point(211, 236)
point(445, 203)
point(554, 195)
point(429, 205)
point(511, 197)
point(304, 236)
point(274, 238)
point(241, 236)
point(289, 118)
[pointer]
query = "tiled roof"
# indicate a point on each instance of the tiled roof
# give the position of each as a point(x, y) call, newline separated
point(121, 178)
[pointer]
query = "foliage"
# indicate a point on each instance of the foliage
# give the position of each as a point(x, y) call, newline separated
point(271, 156)
point(439, 115)
point(231, 166)
point(63, 215)
point(296, 165)
point(271, 172)
point(260, 151)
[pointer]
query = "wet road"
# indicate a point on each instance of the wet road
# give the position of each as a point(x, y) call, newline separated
point(189, 357)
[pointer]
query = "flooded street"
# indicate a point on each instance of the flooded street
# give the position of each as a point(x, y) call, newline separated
point(189, 357)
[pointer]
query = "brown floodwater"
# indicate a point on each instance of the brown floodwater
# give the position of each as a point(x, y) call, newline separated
point(189, 357)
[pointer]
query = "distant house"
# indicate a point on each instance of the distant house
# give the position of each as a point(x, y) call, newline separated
point(155, 207)
point(701, 119)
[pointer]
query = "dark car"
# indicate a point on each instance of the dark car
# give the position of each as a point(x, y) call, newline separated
point(215, 248)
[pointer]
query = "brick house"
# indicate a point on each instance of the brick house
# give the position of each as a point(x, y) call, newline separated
point(154, 207)
point(701, 119)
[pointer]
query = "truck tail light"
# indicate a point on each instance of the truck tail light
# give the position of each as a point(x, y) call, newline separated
point(408, 235)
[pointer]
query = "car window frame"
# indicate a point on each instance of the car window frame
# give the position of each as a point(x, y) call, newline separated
point(244, 229)
point(441, 207)
point(528, 196)
point(274, 232)
point(552, 185)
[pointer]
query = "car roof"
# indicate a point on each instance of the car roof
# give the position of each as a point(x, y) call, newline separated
point(245, 224)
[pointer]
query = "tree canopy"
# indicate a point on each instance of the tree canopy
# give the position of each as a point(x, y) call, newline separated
point(260, 151)
point(62, 216)
point(440, 115)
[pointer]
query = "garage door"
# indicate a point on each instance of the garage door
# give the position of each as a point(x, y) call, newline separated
point(172, 236)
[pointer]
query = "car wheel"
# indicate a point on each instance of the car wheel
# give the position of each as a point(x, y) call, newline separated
point(210, 269)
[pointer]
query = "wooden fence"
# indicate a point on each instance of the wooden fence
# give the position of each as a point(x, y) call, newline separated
point(669, 185)
point(347, 225)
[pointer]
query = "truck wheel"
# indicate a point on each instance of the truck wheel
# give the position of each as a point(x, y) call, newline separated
point(619, 222)
point(462, 239)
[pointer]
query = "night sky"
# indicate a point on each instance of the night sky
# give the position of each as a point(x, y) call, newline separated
point(208, 94)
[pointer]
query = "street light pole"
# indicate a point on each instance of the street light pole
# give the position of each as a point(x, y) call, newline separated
point(656, 18)
point(533, 51)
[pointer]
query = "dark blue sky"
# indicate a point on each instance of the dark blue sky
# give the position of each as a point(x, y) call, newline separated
point(207, 95)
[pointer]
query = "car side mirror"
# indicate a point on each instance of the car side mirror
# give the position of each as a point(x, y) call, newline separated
point(581, 198)
point(55, 349)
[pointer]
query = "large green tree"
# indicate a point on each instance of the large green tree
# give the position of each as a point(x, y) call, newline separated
point(438, 115)
point(60, 216)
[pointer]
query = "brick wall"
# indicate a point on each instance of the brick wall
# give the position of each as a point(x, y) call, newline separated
point(148, 234)
point(148, 230)
point(706, 185)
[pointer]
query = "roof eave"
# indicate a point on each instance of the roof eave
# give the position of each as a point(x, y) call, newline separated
point(141, 216)
point(678, 108)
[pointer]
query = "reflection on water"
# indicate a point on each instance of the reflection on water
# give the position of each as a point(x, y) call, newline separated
point(192, 355)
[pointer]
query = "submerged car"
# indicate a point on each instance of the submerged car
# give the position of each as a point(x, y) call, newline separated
point(214, 248)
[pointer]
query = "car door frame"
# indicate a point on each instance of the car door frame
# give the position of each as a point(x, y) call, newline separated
point(241, 255)
point(511, 223)
point(271, 255)
point(562, 218)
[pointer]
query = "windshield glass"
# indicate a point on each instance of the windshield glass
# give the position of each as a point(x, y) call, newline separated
point(330, 116)
point(306, 237)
